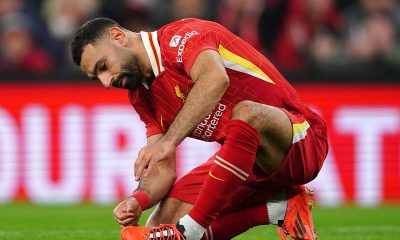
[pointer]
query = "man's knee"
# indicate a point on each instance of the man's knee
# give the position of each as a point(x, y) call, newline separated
point(272, 123)
point(255, 114)
point(245, 111)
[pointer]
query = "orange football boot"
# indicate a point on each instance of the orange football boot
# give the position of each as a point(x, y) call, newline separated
point(298, 222)
point(162, 232)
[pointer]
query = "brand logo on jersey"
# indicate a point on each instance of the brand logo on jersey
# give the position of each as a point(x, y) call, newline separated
point(182, 45)
point(175, 41)
point(179, 94)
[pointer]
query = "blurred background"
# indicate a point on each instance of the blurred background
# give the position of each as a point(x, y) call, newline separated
point(308, 40)
point(66, 140)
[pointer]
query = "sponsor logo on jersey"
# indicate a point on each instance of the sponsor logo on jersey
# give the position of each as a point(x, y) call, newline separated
point(182, 45)
point(206, 128)
point(175, 41)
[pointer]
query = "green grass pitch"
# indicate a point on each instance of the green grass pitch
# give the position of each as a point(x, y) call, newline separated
point(26, 221)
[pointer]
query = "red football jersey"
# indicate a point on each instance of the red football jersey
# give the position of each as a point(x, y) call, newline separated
point(172, 51)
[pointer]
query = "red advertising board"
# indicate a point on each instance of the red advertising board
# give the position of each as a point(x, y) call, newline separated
point(364, 135)
point(75, 142)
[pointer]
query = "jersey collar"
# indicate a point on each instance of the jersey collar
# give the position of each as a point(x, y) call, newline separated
point(150, 42)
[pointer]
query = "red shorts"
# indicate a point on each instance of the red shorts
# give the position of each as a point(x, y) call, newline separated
point(301, 165)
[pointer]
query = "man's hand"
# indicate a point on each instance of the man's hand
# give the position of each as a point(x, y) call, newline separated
point(128, 212)
point(151, 154)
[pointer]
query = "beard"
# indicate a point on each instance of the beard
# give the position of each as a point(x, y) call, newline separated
point(130, 77)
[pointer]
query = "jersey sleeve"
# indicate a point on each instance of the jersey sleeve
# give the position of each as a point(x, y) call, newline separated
point(152, 128)
point(185, 42)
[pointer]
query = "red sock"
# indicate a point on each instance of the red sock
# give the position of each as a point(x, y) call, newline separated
point(232, 165)
point(230, 225)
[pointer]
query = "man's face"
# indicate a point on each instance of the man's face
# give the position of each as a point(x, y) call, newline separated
point(111, 64)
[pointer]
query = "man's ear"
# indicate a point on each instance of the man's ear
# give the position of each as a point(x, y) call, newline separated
point(118, 36)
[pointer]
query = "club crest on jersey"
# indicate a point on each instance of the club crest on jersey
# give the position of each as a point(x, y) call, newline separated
point(175, 41)
point(179, 94)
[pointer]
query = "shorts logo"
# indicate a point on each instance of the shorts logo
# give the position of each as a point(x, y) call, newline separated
point(175, 41)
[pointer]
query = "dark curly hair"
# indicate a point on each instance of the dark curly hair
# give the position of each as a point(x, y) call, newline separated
point(89, 33)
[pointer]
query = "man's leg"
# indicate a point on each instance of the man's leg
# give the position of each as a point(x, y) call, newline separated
point(230, 225)
point(226, 226)
point(290, 210)
point(170, 210)
point(253, 125)
point(277, 210)
point(295, 161)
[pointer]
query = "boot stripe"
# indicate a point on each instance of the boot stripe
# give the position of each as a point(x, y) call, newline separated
point(298, 228)
point(296, 234)
point(301, 224)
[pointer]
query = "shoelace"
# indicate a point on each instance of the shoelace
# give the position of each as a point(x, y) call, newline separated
point(163, 232)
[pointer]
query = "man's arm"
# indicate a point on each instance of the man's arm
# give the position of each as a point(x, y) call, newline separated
point(211, 82)
point(159, 179)
point(156, 185)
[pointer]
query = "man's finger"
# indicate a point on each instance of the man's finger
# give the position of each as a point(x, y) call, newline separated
point(118, 211)
point(126, 215)
point(143, 164)
point(126, 222)
point(132, 206)
point(137, 163)
point(149, 168)
point(140, 161)
point(136, 168)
